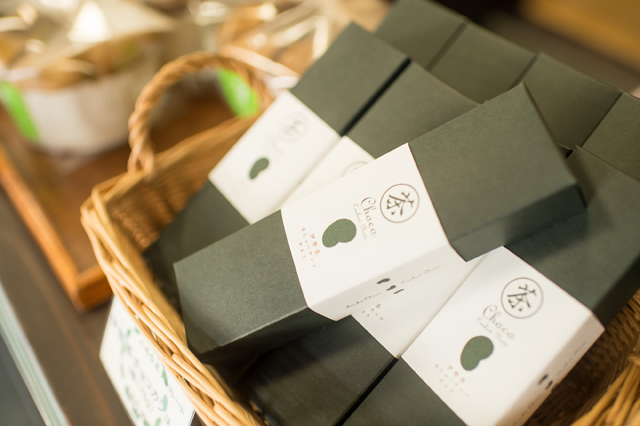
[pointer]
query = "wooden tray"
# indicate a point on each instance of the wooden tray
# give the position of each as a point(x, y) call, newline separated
point(48, 191)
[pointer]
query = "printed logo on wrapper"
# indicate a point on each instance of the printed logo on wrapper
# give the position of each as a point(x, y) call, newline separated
point(497, 324)
point(522, 298)
point(399, 203)
point(273, 157)
point(345, 249)
point(293, 127)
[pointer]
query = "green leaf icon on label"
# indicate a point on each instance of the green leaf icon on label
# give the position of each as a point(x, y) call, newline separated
point(242, 99)
point(340, 231)
point(17, 109)
point(476, 349)
point(258, 167)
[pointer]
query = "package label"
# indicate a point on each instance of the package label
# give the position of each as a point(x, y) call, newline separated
point(366, 236)
point(497, 348)
point(396, 321)
point(273, 157)
point(149, 394)
point(344, 158)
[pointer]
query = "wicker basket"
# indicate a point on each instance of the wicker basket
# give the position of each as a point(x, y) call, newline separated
point(125, 214)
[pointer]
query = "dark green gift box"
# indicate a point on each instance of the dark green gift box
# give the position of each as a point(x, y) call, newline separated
point(494, 174)
point(342, 84)
point(241, 296)
point(480, 64)
point(339, 88)
point(415, 103)
point(617, 139)
point(321, 377)
point(421, 29)
point(570, 102)
point(594, 256)
point(318, 379)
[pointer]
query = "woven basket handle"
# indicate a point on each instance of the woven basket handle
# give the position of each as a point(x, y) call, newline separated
point(142, 154)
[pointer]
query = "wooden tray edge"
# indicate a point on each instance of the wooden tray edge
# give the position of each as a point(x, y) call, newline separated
point(86, 289)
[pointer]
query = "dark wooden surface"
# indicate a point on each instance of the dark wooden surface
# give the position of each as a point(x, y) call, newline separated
point(65, 342)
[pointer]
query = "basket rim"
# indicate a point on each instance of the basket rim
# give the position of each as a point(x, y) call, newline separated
point(212, 401)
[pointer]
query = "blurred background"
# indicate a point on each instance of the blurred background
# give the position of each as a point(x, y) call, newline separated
point(71, 69)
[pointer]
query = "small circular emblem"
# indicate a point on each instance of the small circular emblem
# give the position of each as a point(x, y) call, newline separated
point(293, 127)
point(399, 203)
point(522, 298)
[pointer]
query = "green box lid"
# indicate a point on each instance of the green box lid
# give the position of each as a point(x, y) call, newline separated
point(225, 288)
point(402, 398)
point(570, 102)
point(420, 28)
point(208, 217)
point(617, 139)
point(414, 104)
point(594, 255)
point(495, 175)
point(481, 65)
point(317, 379)
point(349, 77)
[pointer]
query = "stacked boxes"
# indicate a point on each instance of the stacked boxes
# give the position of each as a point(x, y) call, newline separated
point(571, 103)
point(523, 318)
point(617, 138)
point(421, 29)
point(321, 258)
point(370, 286)
point(481, 65)
point(414, 104)
point(321, 378)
